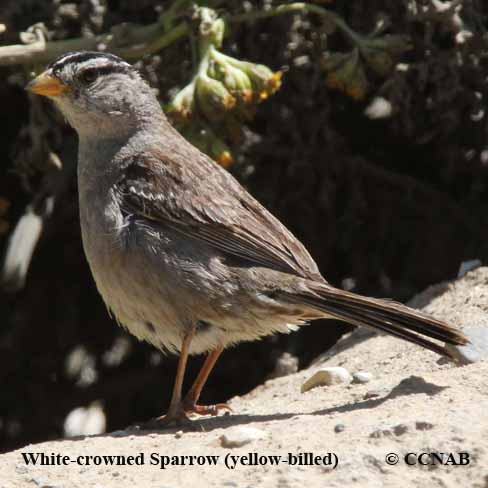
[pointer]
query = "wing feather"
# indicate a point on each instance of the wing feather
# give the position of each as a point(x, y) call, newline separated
point(190, 193)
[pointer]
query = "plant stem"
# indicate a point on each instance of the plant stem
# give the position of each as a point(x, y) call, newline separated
point(130, 42)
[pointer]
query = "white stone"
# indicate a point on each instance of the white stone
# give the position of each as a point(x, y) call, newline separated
point(240, 436)
point(327, 377)
point(362, 377)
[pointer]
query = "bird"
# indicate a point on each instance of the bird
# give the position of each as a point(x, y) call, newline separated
point(182, 255)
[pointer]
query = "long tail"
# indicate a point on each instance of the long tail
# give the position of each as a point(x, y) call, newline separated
point(388, 316)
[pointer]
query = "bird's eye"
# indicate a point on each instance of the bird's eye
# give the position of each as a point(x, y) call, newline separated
point(88, 76)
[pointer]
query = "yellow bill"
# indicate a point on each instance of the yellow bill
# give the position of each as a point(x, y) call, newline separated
point(47, 85)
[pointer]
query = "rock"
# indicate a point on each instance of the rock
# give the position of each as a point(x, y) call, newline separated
point(21, 468)
point(327, 377)
point(240, 436)
point(379, 433)
point(467, 266)
point(339, 428)
point(397, 430)
point(42, 483)
point(419, 425)
point(400, 429)
point(476, 349)
point(361, 377)
point(371, 394)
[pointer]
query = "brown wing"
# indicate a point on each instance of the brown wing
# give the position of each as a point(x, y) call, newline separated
point(185, 190)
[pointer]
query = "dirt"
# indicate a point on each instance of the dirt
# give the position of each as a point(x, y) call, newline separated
point(416, 403)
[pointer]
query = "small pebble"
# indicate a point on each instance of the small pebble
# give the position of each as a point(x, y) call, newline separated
point(400, 429)
point(327, 377)
point(179, 434)
point(361, 377)
point(42, 483)
point(379, 433)
point(339, 428)
point(20, 468)
point(371, 394)
point(419, 425)
point(118, 433)
point(240, 436)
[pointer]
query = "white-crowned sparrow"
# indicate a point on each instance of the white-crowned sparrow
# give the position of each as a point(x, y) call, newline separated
point(183, 256)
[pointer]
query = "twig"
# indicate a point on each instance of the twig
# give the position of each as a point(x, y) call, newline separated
point(144, 40)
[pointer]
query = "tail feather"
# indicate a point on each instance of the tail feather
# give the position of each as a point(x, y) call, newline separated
point(411, 324)
point(385, 315)
point(390, 328)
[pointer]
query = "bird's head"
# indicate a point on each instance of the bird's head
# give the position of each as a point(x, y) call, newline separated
point(97, 93)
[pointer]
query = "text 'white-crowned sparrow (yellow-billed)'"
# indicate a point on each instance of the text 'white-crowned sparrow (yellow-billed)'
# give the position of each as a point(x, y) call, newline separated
point(183, 256)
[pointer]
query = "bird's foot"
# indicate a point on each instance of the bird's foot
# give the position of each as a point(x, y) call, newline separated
point(172, 420)
point(213, 410)
point(178, 418)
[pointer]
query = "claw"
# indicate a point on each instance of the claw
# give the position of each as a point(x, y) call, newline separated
point(207, 409)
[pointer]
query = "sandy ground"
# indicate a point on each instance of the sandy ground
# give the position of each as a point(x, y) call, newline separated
point(415, 403)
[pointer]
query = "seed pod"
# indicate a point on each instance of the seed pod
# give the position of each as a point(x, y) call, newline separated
point(339, 77)
point(349, 77)
point(213, 98)
point(238, 83)
point(211, 27)
point(216, 33)
point(182, 107)
point(261, 79)
point(234, 79)
point(274, 83)
point(220, 152)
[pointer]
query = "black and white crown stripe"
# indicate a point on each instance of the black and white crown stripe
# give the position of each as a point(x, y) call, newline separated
point(87, 59)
